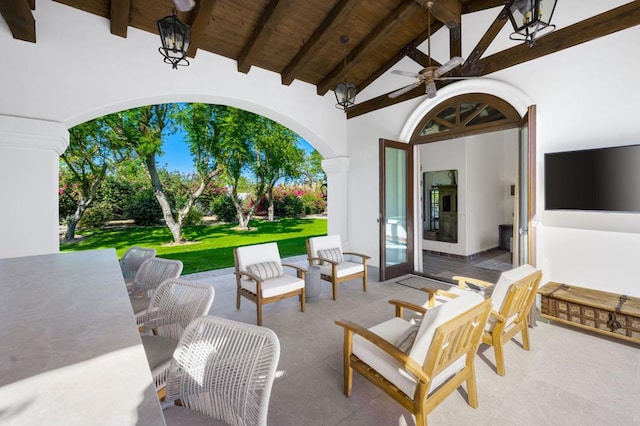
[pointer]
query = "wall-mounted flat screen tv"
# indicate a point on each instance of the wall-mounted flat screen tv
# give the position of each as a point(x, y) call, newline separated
point(605, 179)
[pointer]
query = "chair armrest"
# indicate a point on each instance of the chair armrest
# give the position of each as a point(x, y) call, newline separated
point(433, 292)
point(462, 282)
point(300, 271)
point(408, 362)
point(363, 256)
point(497, 316)
point(400, 304)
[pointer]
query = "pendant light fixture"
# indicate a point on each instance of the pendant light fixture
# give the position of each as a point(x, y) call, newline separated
point(345, 92)
point(529, 18)
point(175, 37)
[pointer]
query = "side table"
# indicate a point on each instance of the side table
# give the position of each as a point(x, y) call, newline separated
point(312, 284)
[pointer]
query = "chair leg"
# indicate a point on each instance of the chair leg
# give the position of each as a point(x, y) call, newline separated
point(259, 308)
point(525, 335)
point(472, 390)
point(302, 300)
point(499, 354)
point(238, 298)
point(335, 289)
point(364, 280)
point(421, 418)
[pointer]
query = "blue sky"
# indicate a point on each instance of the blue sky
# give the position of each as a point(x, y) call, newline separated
point(177, 157)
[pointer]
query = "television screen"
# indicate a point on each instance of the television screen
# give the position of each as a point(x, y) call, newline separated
point(606, 179)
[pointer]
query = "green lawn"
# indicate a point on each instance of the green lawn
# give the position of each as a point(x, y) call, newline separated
point(210, 246)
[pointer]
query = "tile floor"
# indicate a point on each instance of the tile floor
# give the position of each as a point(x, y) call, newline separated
point(568, 377)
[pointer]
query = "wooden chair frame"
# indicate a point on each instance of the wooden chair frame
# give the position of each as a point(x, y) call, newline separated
point(258, 298)
point(454, 339)
point(518, 301)
point(333, 278)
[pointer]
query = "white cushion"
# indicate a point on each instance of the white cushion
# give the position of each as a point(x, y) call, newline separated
point(275, 286)
point(406, 339)
point(259, 253)
point(266, 270)
point(334, 254)
point(323, 243)
point(391, 331)
point(343, 269)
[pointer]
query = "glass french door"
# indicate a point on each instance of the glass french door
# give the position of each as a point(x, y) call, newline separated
point(525, 238)
point(396, 209)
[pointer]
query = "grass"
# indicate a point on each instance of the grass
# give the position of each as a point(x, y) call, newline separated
point(210, 246)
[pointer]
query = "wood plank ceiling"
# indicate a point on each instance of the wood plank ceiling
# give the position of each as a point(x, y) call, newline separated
point(300, 39)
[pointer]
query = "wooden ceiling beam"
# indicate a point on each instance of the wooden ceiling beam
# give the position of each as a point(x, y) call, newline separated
point(479, 5)
point(203, 15)
point(620, 18)
point(119, 16)
point(17, 14)
point(449, 12)
point(392, 21)
point(317, 40)
point(470, 65)
point(271, 18)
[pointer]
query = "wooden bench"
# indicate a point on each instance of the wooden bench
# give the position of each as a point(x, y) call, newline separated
point(600, 311)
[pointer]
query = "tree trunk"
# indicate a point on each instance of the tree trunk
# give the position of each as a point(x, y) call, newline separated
point(174, 227)
point(270, 211)
point(72, 222)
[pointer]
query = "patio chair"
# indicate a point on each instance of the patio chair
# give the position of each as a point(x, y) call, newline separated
point(260, 276)
point(224, 370)
point(335, 268)
point(132, 260)
point(173, 306)
point(151, 274)
point(512, 298)
point(419, 365)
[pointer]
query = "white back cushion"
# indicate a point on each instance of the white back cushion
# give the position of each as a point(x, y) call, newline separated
point(324, 243)
point(506, 279)
point(259, 253)
point(437, 316)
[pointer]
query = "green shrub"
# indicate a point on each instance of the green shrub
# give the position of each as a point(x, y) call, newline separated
point(313, 203)
point(144, 208)
point(288, 206)
point(222, 206)
point(98, 214)
point(194, 217)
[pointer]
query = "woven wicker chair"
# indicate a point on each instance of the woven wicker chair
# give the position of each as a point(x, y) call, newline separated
point(419, 365)
point(151, 274)
point(335, 268)
point(512, 298)
point(260, 276)
point(224, 370)
point(173, 306)
point(131, 261)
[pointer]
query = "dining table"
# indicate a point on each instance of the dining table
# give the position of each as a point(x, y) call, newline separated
point(70, 350)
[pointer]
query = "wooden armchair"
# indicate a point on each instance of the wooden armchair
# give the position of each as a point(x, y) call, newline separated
point(512, 298)
point(419, 365)
point(260, 276)
point(326, 252)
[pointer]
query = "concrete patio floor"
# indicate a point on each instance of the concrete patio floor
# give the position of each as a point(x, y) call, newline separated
point(568, 376)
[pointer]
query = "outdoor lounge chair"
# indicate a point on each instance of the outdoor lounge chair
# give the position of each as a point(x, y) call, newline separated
point(419, 365)
point(131, 261)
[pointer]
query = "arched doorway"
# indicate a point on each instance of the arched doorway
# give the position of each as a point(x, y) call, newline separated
point(465, 111)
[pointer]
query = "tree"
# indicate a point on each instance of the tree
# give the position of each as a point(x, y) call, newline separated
point(311, 171)
point(142, 130)
point(85, 163)
point(276, 157)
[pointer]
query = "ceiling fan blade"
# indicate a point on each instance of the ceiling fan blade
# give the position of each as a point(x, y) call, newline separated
point(404, 90)
point(405, 73)
point(451, 64)
point(431, 89)
point(459, 78)
point(184, 5)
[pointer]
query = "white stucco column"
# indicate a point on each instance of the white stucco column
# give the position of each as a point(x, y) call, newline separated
point(336, 169)
point(29, 166)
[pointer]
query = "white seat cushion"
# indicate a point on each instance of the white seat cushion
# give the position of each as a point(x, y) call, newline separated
point(343, 269)
point(275, 286)
point(507, 278)
point(392, 329)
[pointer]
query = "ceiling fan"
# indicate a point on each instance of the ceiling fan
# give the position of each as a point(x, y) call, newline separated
point(429, 74)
